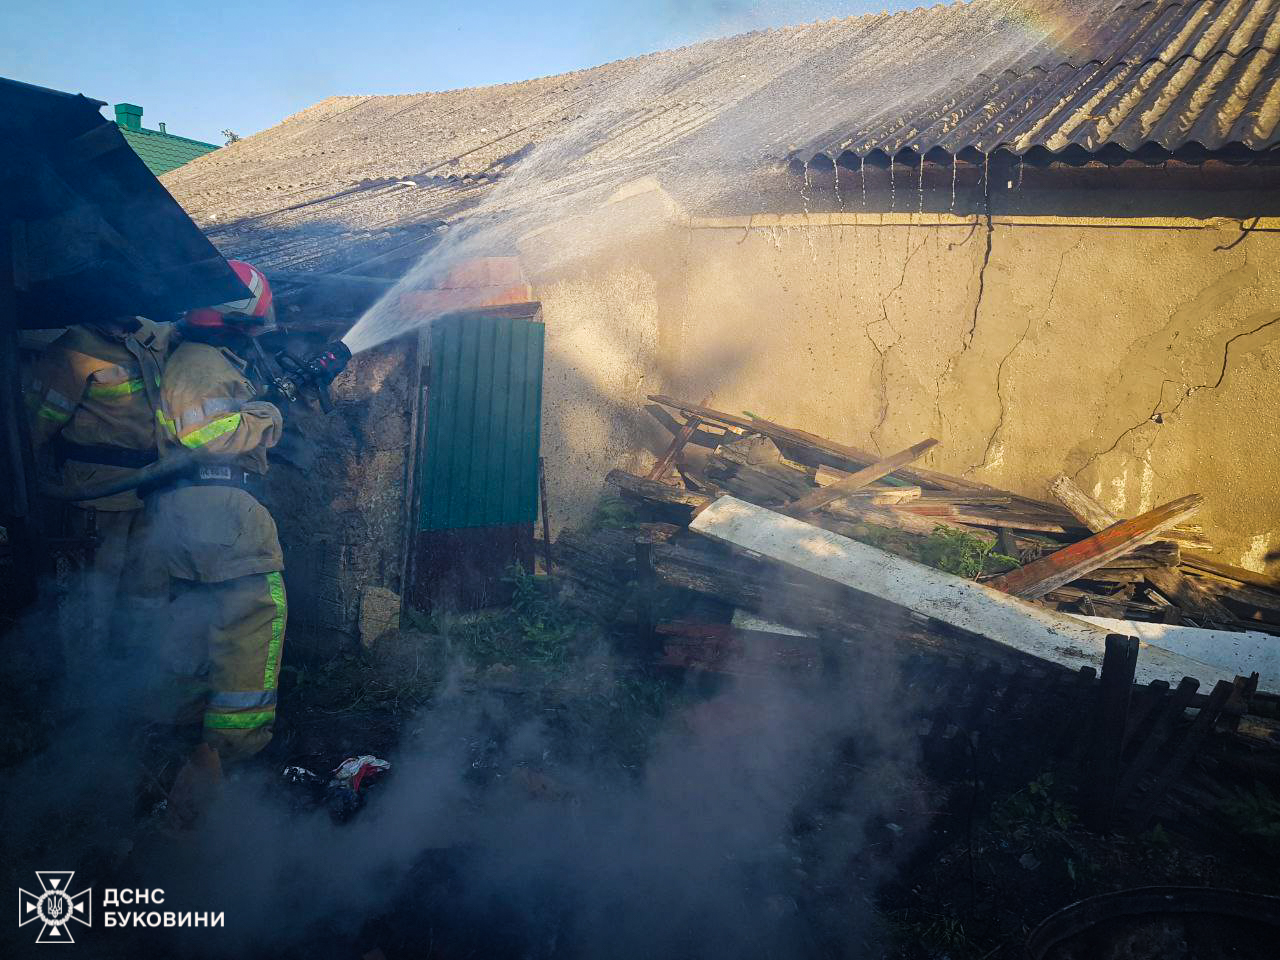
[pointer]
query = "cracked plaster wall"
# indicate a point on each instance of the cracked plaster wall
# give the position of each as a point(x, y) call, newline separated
point(1143, 361)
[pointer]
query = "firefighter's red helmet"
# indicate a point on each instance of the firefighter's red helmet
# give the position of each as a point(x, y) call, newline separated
point(253, 315)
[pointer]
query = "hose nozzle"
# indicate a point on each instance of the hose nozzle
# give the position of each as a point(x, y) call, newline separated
point(316, 373)
point(328, 363)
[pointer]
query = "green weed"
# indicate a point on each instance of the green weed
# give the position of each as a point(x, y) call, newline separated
point(963, 554)
point(1255, 812)
point(937, 933)
point(612, 513)
point(1035, 804)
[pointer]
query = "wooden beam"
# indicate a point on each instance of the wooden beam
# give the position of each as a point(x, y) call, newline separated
point(1191, 598)
point(663, 465)
point(1119, 664)
point(855, 482)
point(1170, 713)
point(1200, 728)
point(961, 604)
point(1239, 651)
point(1226, 571)
point(702, 438)
point(861, 510)
point(1082, 506)
point(662, 494)
point(1038, 578)
point(837, 454)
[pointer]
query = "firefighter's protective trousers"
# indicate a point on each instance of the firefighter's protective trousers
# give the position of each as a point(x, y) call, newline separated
point(220, 545)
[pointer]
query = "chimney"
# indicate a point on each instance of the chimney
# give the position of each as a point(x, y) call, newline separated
point(161, 126)
point(129, 116)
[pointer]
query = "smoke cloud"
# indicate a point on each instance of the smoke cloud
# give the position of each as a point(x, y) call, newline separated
point(754, 826)
point(492, 838)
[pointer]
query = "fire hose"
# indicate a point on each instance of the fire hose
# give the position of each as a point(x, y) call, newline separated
point(299, 376)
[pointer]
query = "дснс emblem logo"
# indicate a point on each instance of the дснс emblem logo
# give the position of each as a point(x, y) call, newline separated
point(55, 907)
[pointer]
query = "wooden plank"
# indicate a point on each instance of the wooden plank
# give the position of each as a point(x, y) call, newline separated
point(1242, 593)
point(876, 493)
point(1143, 714)
point(1038, 578)
point(1119, 663)
point(1162, 553)
point(699, 437)
point(840, 453)
point(663, 466)
point(1200, 728)
point(1082, 506)
point(856, 481)
point(1203, 562)
point(651, 491)
point(1193, 540)
point(1165, 721)
point(967, 514)
point(1079, 698)
point(857, 510)
point(1238, 651)
point(971, 607)
point(1193, 599)
point(975, 497)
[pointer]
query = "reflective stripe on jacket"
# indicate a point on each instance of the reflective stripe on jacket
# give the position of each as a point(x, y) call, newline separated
point(208, 405)
point(99, 390)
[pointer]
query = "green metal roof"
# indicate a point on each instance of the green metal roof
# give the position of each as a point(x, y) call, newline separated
point(162, 152)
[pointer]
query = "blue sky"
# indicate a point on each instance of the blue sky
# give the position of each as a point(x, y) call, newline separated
point(205, 66)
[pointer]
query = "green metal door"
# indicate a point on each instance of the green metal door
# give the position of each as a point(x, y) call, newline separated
point(479, 466)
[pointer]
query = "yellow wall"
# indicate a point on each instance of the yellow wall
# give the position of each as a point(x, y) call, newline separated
point(1058, 349)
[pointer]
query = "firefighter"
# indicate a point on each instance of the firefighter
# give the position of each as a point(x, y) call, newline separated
point(94, 398)
point(218, 541)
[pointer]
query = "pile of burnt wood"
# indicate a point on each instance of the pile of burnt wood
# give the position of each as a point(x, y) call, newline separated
point(713, 598)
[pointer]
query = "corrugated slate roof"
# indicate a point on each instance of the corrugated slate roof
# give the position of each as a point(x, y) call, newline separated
point(1197, 74)
point(1050, 78)
point(162, 152)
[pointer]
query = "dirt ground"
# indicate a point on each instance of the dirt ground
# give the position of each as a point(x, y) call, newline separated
point(988, 859)
point(957, 867)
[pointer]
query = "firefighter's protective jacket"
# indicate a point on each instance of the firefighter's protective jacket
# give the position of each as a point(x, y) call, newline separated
point(99, 393)
point(209, 405)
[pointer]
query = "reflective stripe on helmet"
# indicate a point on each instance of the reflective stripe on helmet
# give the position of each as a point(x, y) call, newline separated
point(248, 312)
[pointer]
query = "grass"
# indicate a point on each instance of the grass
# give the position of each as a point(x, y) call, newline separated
point(1254, 813)
point(612, 513)
point(1039, 803)
point(534, 630)
point(963, 554)
point(946, 548)
point(941, 934)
